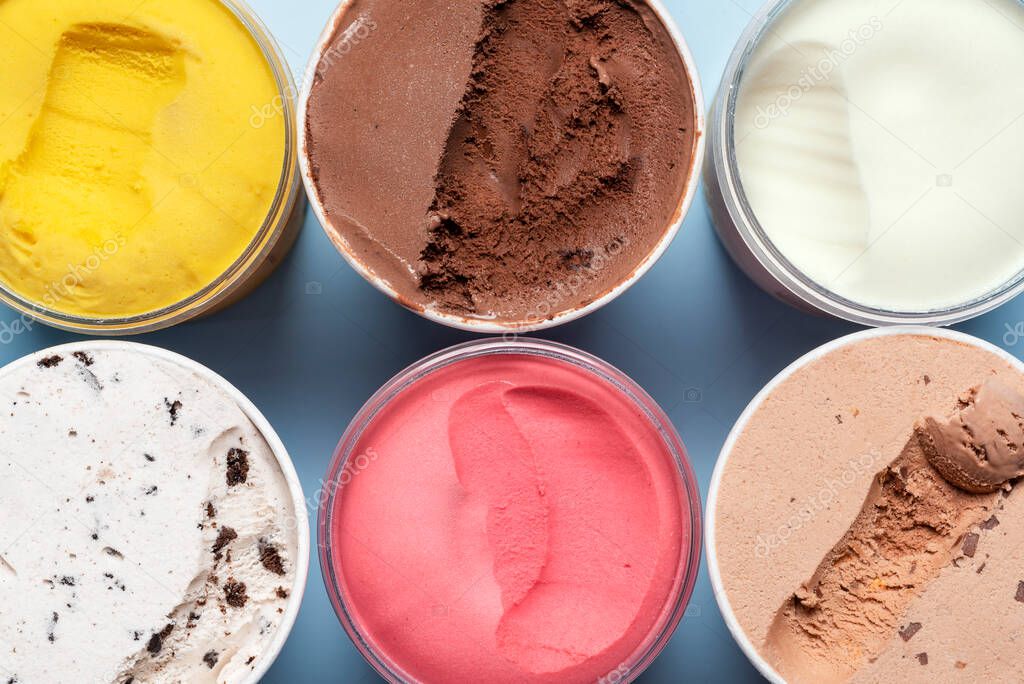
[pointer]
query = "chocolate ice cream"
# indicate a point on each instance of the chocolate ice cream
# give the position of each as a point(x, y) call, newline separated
point(505, 160)
point(839, 546)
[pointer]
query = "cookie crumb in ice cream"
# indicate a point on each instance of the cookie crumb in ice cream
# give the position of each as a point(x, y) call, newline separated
point(922, 658)
point(270, 557)
point(224, 537)
point(238, 467)
point(83, 358)
point(1020, 592)
point(282, 593)
point(51, 361)
point(211, 659)
point(156, 642)
point(234, 593)
point(173, 408)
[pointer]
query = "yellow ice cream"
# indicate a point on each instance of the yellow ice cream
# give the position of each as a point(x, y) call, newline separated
point(141, 146)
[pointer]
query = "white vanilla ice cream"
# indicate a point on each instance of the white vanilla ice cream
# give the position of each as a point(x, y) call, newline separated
point(147, 532)
point(880, 144)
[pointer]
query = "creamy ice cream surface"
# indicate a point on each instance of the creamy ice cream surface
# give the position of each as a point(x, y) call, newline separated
point(147, 527)
point(868, 520)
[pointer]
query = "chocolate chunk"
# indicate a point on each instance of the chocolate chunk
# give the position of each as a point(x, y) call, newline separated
point(1020, 592)
point(156, 642)
point(282, 593)
point(990, 524)
point(249, 661)
point(908, 632)
point(270, 557)
point(50, 362)
point(83, 358)
point(211, 512)
point(149, 458)
point(970, 546)
point(211, 659)
point(927, 381)
point(238, 467)
point(922, 658)
point(234, 593)
point(173, 409)
point(225, 537)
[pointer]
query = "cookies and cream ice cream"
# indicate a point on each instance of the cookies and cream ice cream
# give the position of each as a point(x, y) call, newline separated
point(504, 160)
point(868, 525)
point(148, 534)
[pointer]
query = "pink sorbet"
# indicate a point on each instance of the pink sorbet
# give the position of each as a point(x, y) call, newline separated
point(511, 518)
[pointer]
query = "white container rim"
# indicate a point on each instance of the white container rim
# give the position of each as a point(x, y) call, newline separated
point(480, 325)
point(710, 517)
point(284, 461)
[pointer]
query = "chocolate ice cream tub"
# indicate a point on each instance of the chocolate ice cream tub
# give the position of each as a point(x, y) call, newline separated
point(501, 166)
point(865, 522)
point(154, 526)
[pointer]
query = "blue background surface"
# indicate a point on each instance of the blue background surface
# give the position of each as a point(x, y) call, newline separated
point(316, 341)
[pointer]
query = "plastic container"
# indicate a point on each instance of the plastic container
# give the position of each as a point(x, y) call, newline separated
point(344, 467)
point(749, 245)
point(490, 327)
point(738, 633)
point(267, 250)
point(298, 518)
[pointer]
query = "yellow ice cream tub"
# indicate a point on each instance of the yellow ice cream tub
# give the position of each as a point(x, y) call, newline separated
point(147, 161)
